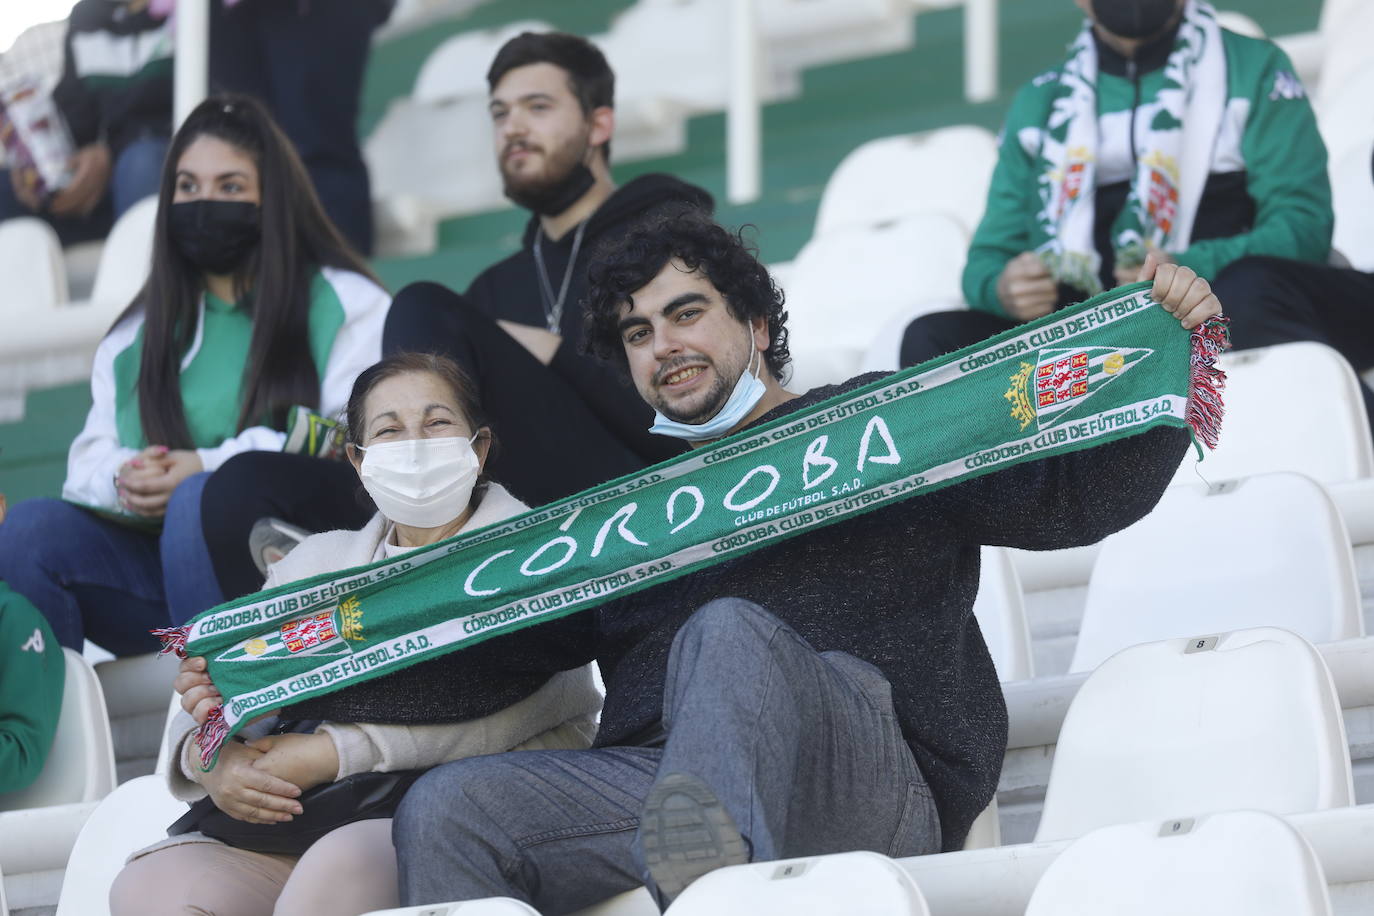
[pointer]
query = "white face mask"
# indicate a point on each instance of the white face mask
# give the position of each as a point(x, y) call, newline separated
point(424, 483)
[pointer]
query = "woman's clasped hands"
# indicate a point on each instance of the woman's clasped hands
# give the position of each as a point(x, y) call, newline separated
point(258, 781)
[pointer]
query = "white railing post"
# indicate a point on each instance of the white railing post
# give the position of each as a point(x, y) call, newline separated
point(192, 68)
point(980, 50)
point(743, 153)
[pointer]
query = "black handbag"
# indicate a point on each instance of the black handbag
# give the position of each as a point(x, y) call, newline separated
point(360, 797)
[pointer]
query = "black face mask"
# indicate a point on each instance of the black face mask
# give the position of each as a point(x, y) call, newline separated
point(215, 235)
point(1134, 18)
point(553, 198)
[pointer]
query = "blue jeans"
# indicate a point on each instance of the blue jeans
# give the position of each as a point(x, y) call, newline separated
point(134, 175)
point(98, 580)
point(801, 747)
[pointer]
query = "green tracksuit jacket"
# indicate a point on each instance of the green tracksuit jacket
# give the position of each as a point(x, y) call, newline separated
point(1267, 194)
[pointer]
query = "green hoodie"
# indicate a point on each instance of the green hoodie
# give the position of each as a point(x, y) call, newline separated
point(1283, 161)
point(32, 669)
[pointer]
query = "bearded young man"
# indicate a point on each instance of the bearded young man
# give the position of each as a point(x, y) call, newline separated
point(517, 329)
point(826, 694)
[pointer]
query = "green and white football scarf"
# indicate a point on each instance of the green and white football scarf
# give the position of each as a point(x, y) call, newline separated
point(1171, 169)
point(1114, 366)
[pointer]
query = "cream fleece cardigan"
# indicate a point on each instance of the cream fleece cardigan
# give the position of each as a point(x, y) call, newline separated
point(559, 715)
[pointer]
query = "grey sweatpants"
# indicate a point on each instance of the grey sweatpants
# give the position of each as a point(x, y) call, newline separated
point(801, 747)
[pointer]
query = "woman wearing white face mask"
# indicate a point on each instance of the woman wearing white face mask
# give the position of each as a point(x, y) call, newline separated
point(416, 439)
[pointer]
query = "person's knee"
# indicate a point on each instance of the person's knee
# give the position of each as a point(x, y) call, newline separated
point(1244, 280)
point(233, 498)
point(444, 801)
point(729, 619)
point(235, 481)
point(934, 334)
point(138, 883)
point(428, 317)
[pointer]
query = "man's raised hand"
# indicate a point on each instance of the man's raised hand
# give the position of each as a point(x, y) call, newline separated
point(1184, 294)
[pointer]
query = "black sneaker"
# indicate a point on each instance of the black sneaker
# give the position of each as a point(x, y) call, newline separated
point(686, 832)
point(271, 539)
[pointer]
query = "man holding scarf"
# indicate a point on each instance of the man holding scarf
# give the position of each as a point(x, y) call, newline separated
point(827, 694)
point(1161, 132)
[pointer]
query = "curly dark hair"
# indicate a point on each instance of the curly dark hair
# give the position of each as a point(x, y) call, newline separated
point(628, 262)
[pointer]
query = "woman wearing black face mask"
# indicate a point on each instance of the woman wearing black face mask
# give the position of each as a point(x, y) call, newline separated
point(254, 307)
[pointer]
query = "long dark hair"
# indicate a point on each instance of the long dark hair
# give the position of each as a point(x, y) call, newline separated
point(297, 239)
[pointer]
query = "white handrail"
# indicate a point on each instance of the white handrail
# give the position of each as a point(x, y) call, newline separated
point(980, 50)
point(192, 65)
point(743, 147)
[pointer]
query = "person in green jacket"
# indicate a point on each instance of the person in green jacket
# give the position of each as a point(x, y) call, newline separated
point(1160, 132)
point(32, 669)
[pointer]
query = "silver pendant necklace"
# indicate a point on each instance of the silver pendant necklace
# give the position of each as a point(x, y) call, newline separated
point(553, 306)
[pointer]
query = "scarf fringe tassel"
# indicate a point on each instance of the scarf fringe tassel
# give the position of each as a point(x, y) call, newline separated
point(173, 640)
point(1206, 382)
point(211, 735)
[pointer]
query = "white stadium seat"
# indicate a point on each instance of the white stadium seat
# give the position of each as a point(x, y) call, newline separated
point(127, 256)
point(946, 171)
point(853, 883)
point(491, 906)
point(435, 158)
point(1247, 719)
point(1352, 196)
point(31, 263)
point(1290, 407)
point(1347, 29)
point(80, 766)
point(164, 749)
point(1000, 882)
point(136, 688)
point(653, 45)
point(458, 67)
point(806, 33)
point(1001, 616)
point(39, 824)
point(77, 327)
point(885, 349)
point(1274, 552)
point(1236, 863)
point(844, 284)
point(134, 815)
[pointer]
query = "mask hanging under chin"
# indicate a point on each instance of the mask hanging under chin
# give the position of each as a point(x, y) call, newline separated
point(748, 391)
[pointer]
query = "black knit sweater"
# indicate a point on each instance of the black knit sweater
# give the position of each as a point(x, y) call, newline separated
point(896, 588)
